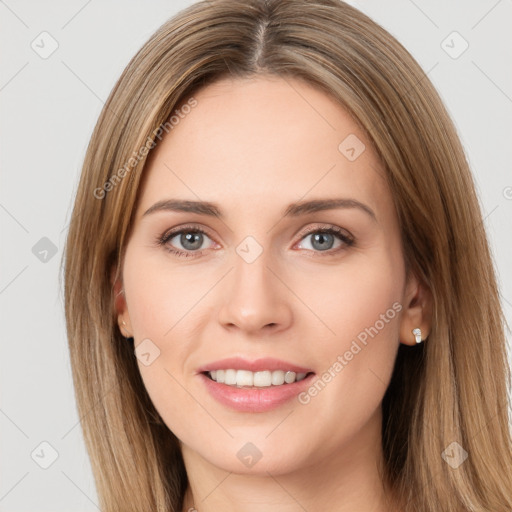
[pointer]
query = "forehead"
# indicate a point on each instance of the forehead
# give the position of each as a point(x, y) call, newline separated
point(272, 139)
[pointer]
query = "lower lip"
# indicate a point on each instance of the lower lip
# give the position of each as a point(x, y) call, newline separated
point(255, 399)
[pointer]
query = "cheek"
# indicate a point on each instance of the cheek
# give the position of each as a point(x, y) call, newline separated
point(165, 310)
point(360, 309)
point(158, 295)
point(344, 300)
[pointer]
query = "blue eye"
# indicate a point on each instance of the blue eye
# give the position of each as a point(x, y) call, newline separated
point(192, 238)
point(324, 238)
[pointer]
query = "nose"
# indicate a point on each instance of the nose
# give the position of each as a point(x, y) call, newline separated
point(255, 297)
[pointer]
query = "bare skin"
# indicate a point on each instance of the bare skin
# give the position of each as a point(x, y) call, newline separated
point(253, 147)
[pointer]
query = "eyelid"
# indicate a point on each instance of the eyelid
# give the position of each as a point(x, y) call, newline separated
point(344, 236)
point(171, 233)
point(325, 227)
point(191, 227)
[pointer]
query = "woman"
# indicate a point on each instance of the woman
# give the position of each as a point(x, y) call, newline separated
point(279, 293)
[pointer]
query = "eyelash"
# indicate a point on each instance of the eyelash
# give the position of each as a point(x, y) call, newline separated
point(334, 230)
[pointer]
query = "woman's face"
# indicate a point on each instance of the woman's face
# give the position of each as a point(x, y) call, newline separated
point(264, 282)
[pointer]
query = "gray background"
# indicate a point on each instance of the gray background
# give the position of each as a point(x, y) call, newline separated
point(49, 107)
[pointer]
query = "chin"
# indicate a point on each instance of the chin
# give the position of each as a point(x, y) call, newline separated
point(246, 457)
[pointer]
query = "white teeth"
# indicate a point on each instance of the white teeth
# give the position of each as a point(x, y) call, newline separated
point(230, 377)
point(277, 378)
point(261, 379)
point(289, 377)
point(244, 378)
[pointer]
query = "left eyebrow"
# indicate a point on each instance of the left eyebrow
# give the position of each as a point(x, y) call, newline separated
point(293, 210)
point(318, 205)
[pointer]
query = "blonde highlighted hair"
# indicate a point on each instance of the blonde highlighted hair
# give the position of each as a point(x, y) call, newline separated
point(453, 388)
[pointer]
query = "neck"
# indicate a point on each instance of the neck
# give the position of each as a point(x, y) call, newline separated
point(347, 480)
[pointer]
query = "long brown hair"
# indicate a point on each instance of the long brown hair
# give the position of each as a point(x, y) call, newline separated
point(454, 388)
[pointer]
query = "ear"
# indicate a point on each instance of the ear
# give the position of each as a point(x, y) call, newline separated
point(120, 306)
point(417, 311)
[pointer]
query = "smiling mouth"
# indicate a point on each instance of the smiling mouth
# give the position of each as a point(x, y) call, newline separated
point(261, 379)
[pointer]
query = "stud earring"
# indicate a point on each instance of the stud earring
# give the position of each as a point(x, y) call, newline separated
point(417, 334)
point(127, 337)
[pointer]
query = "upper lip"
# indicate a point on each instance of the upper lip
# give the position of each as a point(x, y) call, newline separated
point(265, 363)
